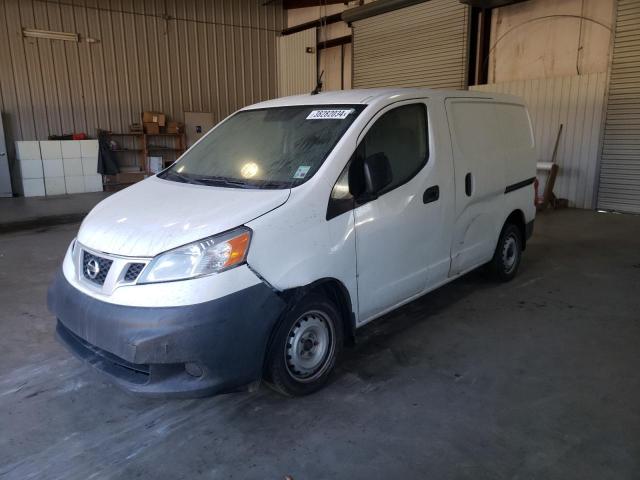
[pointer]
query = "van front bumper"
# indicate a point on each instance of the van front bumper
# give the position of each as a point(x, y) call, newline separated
point(193, 350)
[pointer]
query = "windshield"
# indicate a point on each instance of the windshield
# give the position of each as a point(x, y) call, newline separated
point(266, 148)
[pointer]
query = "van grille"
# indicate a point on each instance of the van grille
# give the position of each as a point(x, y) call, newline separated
point(133, 272)
point(136, 373)
point(89, 271)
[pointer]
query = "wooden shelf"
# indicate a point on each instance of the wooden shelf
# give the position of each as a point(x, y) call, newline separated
point(164, 134)
point(175, 146)
point(128, 143)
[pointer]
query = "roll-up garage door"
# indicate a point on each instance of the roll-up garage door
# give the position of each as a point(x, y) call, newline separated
point(422, 45)
point(620, 165)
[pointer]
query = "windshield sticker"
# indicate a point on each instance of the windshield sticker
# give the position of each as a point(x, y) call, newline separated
point(302, 171)
point(329, 114)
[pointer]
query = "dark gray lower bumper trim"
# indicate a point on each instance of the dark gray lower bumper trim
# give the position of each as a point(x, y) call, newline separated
point(226, 338)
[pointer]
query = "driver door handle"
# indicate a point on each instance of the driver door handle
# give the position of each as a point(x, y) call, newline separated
point(431, 194)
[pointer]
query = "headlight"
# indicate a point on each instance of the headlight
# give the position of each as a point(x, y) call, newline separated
point(204, 257)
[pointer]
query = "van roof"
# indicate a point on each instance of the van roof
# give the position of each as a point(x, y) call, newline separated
point(377, 95)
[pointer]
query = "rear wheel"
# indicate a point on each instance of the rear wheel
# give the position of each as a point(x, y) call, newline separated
point(305, 347)
point(508, 254)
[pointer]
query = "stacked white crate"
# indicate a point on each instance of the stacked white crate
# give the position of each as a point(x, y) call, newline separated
point(72, 166)
point(53, 167)
point(31, 173)
point(56, 167)
point(89, 155)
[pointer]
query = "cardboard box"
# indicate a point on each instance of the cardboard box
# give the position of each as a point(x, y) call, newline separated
point(131, 177)
point(154, 117)
point(151, 128)
point(110, 179)
point(108, 187)
point(175, 127)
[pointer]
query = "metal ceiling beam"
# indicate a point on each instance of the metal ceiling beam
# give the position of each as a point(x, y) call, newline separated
point(489, 4)
point(335, 42)
point(288, 4)
point(320, 22)
point(383, 6)
point(376, 8)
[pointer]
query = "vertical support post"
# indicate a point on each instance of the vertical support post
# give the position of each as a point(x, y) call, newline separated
point(484, 46)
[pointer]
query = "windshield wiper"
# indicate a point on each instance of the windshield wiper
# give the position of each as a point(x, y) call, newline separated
point(258, 185)
point(171, 175)
point(222, 181)
point(274, 184)
point(217, 181)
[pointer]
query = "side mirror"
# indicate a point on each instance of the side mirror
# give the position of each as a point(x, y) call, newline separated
point(377, 173)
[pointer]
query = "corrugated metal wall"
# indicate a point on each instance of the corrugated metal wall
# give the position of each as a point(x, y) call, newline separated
point(424, 45)
point(167, 55)
point(335, 63)
point(297, 68)
point(576, 102)
point(620, 166)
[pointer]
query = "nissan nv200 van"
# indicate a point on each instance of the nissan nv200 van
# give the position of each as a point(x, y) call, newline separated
point(288, 226)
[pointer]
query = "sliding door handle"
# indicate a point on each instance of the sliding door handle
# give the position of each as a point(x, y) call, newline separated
point(468, 184)
point(431, 194)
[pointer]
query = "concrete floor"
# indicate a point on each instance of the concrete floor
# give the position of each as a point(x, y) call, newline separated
point(533, 379)
point(17, 213)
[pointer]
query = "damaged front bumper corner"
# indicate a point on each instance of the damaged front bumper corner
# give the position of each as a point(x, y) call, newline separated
point(189, 350)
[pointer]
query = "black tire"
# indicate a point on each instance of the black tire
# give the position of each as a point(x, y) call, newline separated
point(297, 364)
point(508, 254)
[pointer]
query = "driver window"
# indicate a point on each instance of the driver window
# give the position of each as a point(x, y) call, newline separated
point(400, 134)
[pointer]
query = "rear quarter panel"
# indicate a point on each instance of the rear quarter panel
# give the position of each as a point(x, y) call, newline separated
point(518, 146)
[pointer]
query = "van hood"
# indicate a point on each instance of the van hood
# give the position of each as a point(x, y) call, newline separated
point(156, 215)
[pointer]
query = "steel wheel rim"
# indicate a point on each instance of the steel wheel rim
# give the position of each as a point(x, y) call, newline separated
point(310, 346)
point(510, 253)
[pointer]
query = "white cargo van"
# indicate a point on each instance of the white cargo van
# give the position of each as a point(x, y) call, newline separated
point(291, 224)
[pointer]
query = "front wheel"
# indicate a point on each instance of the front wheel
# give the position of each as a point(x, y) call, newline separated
point(305, 347)
point(508, 254)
